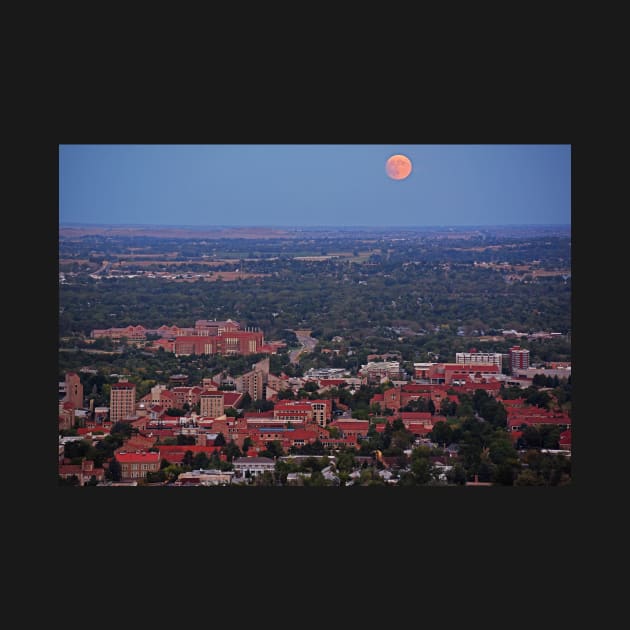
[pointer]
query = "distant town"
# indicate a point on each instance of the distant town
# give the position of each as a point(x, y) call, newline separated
point(395, 360)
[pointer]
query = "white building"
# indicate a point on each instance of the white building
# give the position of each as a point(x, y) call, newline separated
point(490, 358)
point(255, 465)
point(205, 478)
point(378, 371)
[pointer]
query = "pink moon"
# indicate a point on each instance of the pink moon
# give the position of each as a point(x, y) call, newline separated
point(398, 166)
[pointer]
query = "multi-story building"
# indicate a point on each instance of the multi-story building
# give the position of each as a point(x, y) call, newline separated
point(74, 390)
point(212, 404)
point(137, 464)
point(378, 371)
point(83, 471)
point(237, 342)
point(122, 401)
point(213, 328)
point(322, 411)
point(519, 358)
point(132, 333)
point(466, 358)
point(252, 383)
point(293, 411)
point(253, 465)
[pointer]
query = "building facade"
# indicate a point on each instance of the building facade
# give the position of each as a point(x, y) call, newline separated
point(252, 383)
point(519, 358)
point(136, 465)
point(122, 401)
point(491, 358)
point(212, 404)
point(74, 390)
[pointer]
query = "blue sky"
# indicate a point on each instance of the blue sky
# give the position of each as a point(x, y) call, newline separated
point(314, 185)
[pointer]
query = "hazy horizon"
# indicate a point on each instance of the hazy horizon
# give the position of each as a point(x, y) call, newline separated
point(313, 227)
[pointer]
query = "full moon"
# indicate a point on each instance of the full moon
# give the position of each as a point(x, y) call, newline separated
point(398, 166)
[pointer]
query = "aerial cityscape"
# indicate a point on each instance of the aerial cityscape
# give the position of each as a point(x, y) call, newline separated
point(314, 315)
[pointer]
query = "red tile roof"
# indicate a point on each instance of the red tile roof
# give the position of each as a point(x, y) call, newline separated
point(292, 406)
point(142, 457)
point(169, 449)
point(415, 415)
point(231, 398)
point(351, 425)
point(258, 414)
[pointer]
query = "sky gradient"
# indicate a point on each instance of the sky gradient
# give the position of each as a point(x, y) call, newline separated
point(314, 185)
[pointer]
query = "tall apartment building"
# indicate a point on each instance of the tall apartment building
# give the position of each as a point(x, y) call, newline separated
point(519, 358)
point(322, 411)
point(212, 404)
point(252, 383)
point(74, 390)
point(491, 358)
point(122, 401)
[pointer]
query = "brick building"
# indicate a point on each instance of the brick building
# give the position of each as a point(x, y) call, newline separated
point(122, 401)
point(519, 358)
point(74, 390)
point(212, 404)
point(137, 464)
point(252, 383)
point(229, 343)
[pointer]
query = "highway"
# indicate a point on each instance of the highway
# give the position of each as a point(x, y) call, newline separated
point(307, 343)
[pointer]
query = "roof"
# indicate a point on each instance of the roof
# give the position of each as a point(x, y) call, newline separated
point(138, 456)
point(253, 460)
point(295, 406)
point(350, 424)
point(231, 398)
point(167, 449)
point(415, 415)
point(123, 385)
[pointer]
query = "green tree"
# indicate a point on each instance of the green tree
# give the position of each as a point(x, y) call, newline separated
point(187, 461)
point(345, 461)
point(273, 449)
point(266, 479)
point(172, 472)
point(423, 470)
point(504, 475)
point(441, 433)
point(219, 440)
point(232, 450)
point(457, 475)
point(72, 480)
point(246, 401)
point(114, 471)
point(528, 478)
point(200, 461)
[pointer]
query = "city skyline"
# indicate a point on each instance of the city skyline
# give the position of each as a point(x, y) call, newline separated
point(314, 185)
